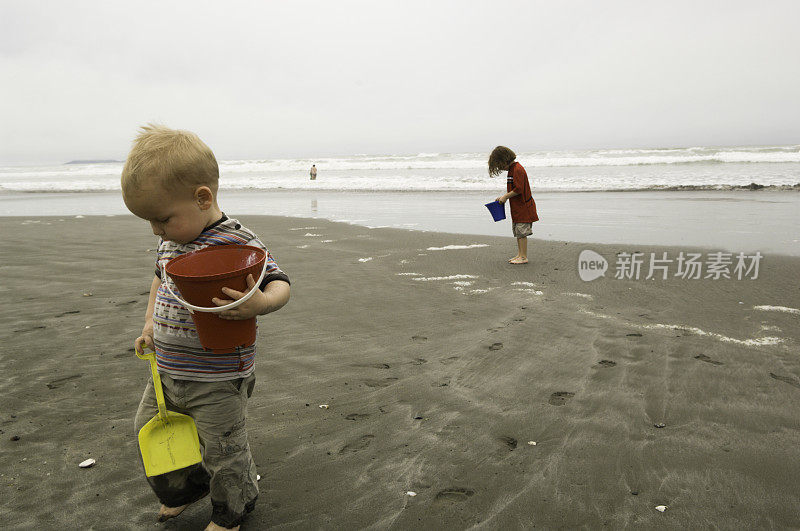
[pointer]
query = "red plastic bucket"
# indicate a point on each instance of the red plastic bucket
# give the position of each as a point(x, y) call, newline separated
point(201, 275)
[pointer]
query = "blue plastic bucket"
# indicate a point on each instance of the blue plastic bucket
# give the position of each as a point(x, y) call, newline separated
point(497, 209)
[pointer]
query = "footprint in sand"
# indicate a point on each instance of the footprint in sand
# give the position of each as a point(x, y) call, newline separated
point(788, 379)
point(41, 327)
point(68, 313)
point(703, 357)
point(559, 398)
point(496, 346)
point(386, 382)
point(453, 495)
point(419, 338)
point(418, 361)
point(357, 445)
point(633, 335)
point(55, 384)
point(357, 416)
point(510, 442)
point(373, 365)
point(607, 363)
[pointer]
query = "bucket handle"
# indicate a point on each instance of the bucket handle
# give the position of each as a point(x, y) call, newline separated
point(215, 309)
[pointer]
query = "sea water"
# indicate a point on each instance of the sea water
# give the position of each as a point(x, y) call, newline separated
point(610, 170)
point(633, 196)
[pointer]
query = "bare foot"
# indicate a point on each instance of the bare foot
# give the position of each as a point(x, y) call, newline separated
point(519, 261)
point(511, 260)
point(214, 527)
point(165, 513)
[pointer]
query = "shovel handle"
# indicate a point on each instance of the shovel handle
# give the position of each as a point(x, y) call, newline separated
point(151, 356)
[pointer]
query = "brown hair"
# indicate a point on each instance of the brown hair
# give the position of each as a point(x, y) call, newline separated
point(499, 160)
point(174, 158)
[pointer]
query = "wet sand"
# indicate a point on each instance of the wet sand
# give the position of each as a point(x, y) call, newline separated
point(438, 368)
point(732, 220)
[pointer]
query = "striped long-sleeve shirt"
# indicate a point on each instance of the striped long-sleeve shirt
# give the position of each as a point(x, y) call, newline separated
point(178, 349)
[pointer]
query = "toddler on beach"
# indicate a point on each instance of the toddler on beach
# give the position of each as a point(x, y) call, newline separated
point(523, 207)
point(171, 180)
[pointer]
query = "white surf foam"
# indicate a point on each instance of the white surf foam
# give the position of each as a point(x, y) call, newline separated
point(451, 277)
point(583, 295)
point(759, 341)
point(755, 342)
point(784, 309)
point(455, 247)
point(528, 290)
point(609, 169)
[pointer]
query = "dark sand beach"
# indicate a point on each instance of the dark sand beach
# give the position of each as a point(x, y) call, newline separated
point(438, 367)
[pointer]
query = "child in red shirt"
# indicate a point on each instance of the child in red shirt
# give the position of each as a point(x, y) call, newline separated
point(523, 207)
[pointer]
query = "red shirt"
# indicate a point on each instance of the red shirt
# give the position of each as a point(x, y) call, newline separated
point(523, 207)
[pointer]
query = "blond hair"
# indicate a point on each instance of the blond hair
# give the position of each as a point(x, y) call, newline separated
point(173, 158)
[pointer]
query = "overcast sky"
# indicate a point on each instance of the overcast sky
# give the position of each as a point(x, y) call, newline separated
point(306, 79)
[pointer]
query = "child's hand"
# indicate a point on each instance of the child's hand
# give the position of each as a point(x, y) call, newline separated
point(502, 200)
point(250, 308)
point(146, 339)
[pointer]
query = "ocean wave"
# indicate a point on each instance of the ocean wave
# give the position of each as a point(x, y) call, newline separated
point(65, 171)
point(640, 160)
point(415, 163)
point(702, 168)
point(434, 161)
point(477, 161)
point(419, 187)
point(751, 186)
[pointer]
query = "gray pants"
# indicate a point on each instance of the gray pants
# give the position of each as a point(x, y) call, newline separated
point(227, 470)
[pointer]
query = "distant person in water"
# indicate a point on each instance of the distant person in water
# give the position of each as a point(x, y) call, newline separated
point(523, 207)
point(313, 172)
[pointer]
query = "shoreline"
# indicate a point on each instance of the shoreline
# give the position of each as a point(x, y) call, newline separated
point(439, 362)
point(734, 221)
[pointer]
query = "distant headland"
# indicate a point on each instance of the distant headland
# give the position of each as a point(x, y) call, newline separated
point(92, 161)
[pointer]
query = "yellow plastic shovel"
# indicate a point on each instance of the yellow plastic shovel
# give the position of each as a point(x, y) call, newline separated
point(169, 440)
